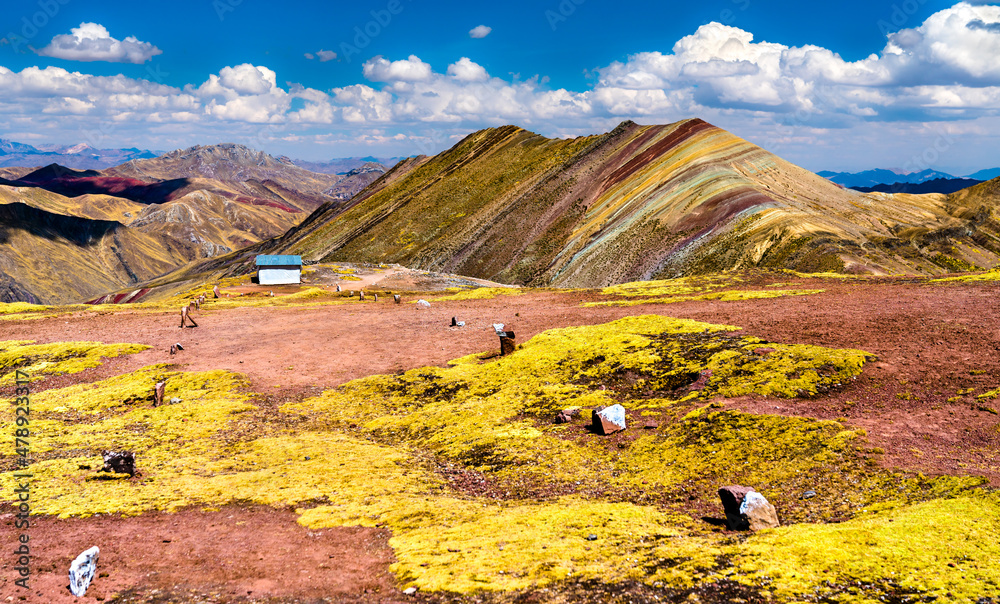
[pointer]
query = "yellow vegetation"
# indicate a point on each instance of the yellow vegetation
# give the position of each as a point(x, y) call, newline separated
point(370, 452)
point(16, 307)
point(60, 357)
point(480, 293)
point(725, 296)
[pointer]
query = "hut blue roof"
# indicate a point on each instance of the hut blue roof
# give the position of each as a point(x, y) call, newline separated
point(278, 260)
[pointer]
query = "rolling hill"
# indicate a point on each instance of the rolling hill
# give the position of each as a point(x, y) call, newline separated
point(640, 202)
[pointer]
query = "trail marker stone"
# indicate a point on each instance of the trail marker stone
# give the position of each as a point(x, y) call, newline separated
point(158, 391)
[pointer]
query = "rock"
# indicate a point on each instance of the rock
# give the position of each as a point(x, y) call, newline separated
point(397, 299)
point(651, 425)
point(732, 498)
point(179, 347)
point(454, 321)
point(592, 537)
point(423, 303)
point(808, 495)
point(338, 287)
point(376, 297)
point(567, 415)
point(702, 380)
point(507, 345)
point(215, 290)
point(119, 462)
point(410, 591)
point(609, 420)
point(747, 509)
point(82, 571)
point(173, 349)
point(175, 401)
point(158, 391)
point(361, 296)
point(763, 351)
point(498, 327)
point(759, 514)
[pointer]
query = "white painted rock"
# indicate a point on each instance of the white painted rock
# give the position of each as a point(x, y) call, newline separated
point(82, 571)
point(423, 303)
point(759, 513)
point(609, 420)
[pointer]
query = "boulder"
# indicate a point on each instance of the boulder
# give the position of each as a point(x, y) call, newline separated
point(746, 509)
point(396, 299)
point(82, 571)
point(158, 391)
point(759, 514)
point(423, 303)
point(609, 420)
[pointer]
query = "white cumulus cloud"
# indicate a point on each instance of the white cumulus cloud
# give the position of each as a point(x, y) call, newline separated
point(93, 42)
point(480, 31)
point(412, 69)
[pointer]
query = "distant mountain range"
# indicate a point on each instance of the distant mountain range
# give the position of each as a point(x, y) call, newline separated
point(925, 181)
point(82, 156)
point(79, 157)
point(343, 165)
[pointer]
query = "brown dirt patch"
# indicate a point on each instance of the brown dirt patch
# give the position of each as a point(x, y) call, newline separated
point(251, 554)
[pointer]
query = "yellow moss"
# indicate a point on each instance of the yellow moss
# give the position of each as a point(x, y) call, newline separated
point(350, 278)
point(19, 307)
point(790, 370)
point(725, 296)
point(992, 394)
point(943, 549)
point(38, 360)
point(671, 287)
point(991, 275)
point(480, 293)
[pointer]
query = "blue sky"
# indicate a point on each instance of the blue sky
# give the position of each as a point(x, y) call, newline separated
point(908, 84)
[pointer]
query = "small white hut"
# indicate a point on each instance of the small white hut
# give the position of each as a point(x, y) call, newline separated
point(279, 270)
